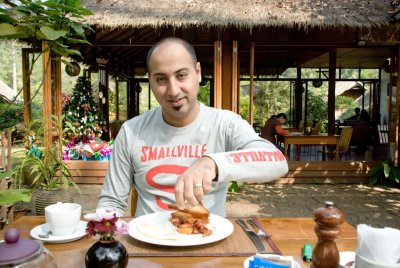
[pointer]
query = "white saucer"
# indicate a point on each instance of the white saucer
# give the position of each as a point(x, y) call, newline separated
point(42, 229)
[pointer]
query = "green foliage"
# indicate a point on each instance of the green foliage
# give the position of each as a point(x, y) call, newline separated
point(56, 21)
point(12, 115)
point(385, 174)
point(235, 186)
point(48, 169)
point(346, 105)
point(204, 94)
point(317, 108)
point(11, 196)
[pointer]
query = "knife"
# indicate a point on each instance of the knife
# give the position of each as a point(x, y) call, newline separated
point(253, 236)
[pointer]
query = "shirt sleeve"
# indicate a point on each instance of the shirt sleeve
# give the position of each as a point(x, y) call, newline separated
point(118, 181)
point(280, 131)
point(251, 159)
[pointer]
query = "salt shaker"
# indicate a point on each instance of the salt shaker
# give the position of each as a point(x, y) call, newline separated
point(327, 219)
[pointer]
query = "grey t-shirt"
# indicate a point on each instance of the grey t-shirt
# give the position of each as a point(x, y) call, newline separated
point(152, 154)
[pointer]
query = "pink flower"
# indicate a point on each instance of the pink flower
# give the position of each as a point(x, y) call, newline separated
point(105, 223)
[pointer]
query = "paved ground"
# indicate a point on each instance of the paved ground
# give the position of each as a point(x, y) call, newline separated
point(377, 206)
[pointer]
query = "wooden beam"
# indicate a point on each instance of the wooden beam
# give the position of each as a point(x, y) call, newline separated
point(331, 91)
point(235, 77)
point(218, 74)
point(26, 80)
point(56, 70)
point(47, 103)
point(116, 99)
point(396, 115)
point(251, 86)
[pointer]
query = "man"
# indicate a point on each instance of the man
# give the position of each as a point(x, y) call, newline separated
point(355, 117)
point(273, 127)
point(184, 151)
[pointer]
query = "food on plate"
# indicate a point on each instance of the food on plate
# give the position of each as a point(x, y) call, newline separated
point(191, 219)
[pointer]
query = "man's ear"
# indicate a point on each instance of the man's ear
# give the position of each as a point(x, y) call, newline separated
point(198, 71)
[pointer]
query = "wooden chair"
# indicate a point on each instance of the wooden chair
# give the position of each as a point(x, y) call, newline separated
point(344, 142)
point(133, 197)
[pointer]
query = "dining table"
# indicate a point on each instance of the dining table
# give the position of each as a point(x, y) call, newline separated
point(288, 234)
point(313, 139)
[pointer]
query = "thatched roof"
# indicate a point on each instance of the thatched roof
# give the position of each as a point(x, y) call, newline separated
point(6, 92)
point(239, 13)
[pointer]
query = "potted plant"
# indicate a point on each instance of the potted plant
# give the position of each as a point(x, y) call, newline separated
point(48, 174)
point(385, 174)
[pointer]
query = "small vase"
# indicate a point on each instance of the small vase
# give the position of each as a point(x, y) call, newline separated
point(106, 254)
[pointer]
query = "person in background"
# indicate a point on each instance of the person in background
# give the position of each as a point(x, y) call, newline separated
point(364, 116)
point(183, 151)
point(356, 116)
point(273, 127)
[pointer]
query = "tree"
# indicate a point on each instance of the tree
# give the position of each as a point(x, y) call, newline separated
point(82, 117)
point(54, 21)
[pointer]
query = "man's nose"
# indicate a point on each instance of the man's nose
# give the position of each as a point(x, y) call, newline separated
point(173, 87)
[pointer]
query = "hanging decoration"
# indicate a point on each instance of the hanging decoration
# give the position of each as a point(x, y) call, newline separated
point(73, 68)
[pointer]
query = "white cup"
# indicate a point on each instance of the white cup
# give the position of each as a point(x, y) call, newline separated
point(63, 218)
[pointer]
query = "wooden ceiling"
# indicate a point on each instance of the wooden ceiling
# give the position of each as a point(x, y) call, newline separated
point(275, 48)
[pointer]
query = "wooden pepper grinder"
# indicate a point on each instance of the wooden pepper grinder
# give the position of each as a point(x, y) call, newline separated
point(328, 219)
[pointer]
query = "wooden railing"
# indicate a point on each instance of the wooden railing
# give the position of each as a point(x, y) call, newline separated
point(94, 172)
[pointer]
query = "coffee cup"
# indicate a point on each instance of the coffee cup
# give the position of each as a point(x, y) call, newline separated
point(63, 218)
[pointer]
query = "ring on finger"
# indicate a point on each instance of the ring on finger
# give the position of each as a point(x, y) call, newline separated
point(198, 185)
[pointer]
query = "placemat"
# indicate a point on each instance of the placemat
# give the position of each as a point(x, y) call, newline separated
point(237, 244)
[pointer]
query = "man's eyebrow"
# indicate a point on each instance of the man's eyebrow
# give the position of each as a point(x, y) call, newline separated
point(185, 69)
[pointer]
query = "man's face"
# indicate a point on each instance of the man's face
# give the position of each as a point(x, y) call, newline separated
point(174, 80)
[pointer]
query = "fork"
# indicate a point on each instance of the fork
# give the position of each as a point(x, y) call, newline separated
point(260, 232)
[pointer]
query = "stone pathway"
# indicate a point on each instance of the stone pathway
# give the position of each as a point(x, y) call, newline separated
point(375, 206)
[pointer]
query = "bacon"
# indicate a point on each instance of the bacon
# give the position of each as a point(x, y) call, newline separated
point(198, 226)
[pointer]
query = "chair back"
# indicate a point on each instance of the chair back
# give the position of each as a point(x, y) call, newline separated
point(344, 141)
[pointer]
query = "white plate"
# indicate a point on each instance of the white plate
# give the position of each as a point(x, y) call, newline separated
point(42, 229)
point(156, 229)
point(347, 257)
point(246, 263)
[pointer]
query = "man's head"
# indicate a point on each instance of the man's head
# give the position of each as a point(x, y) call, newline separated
point(174, 77)
point(357, 110)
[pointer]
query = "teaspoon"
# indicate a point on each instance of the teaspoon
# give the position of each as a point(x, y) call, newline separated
point(45, 235)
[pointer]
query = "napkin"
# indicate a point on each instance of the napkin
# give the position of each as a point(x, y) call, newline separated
point(381, 245)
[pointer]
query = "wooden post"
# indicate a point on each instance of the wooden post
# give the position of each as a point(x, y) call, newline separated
point(396, 152)
point(56, 71)
point(47, 99)
point(26, 79)
point(235, 77)
point(251, 86)
point(218, 74)
point(331, 91)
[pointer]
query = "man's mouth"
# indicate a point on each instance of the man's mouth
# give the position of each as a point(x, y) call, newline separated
point(175, 102)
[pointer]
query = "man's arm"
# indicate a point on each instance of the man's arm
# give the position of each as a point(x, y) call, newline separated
point(119, 178)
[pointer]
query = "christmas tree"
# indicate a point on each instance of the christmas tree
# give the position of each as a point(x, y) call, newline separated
point(82, 120)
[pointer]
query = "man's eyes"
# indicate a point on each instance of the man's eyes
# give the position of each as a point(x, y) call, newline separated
point(180, 77)
point(161, 79)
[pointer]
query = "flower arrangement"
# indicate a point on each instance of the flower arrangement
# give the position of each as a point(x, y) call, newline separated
point(105, 223)
point(95, 149)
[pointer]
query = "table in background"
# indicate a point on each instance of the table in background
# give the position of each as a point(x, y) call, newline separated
point(320, 139)
point(289, 234)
